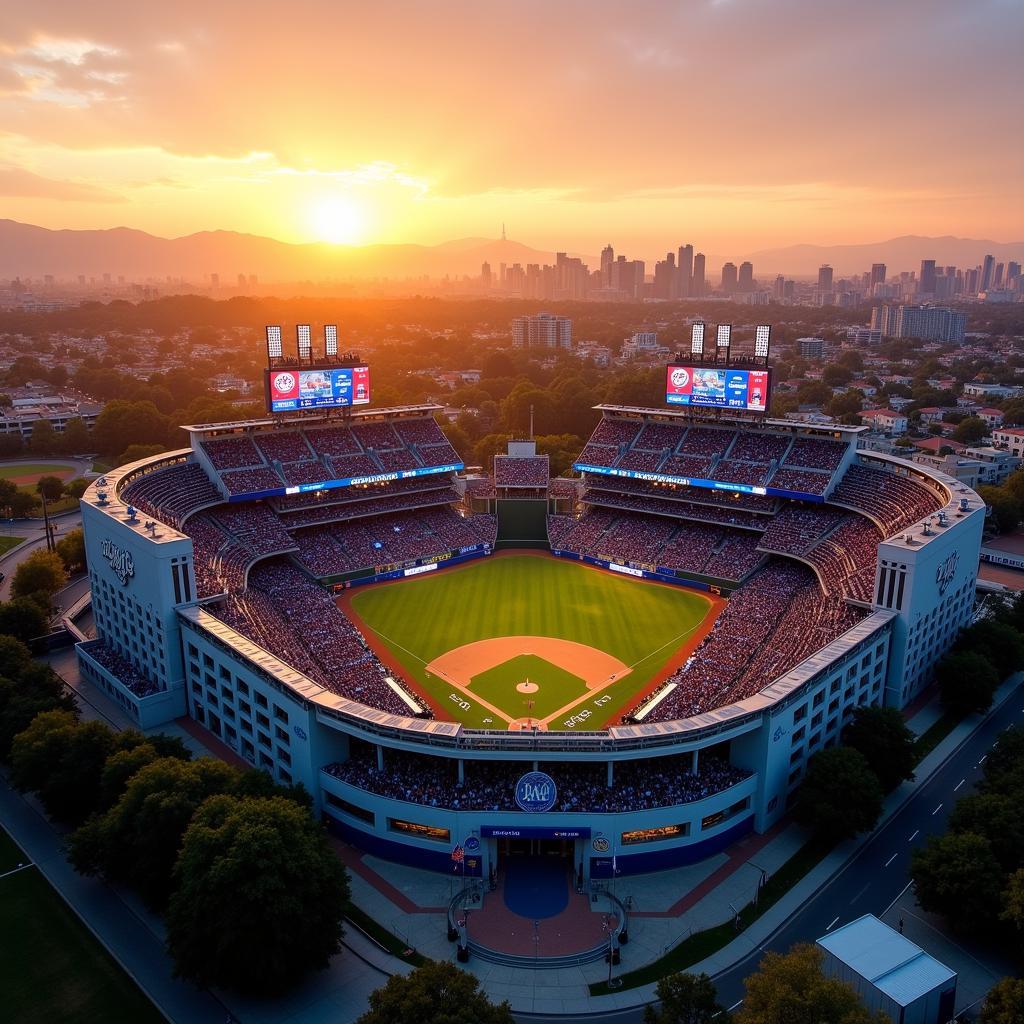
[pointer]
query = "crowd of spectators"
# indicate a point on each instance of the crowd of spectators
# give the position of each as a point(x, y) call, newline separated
point(816, 453)
point(615, 432)
point(736, 557)
point(338, 512)
point(645, 462)
point(247, 481)
point(779, 617)
point(423, 431)
point(802, 480)
point(376, 435)
point(333, 441)
point(894, 501)
point(231, 452)
point(845, 557)
point(256, 526)
point(438, 455)
point(758, 446)
point(598, 454)
point(659, 436)
point(511, 471)
point(795, 528)
point(733, 472)
point(130, 677)
point(607, 494)
point(490, 785)
point(171, 494)
point(299, 622)
point(284, 446)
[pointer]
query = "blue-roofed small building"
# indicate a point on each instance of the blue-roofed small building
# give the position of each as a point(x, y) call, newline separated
point(889, 972)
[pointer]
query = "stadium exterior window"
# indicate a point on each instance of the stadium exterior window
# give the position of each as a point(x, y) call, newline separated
point(412, 828)
point(284, 776)
point(248, 749)
point(819, 698)
point(261, 700)
point(357, 812)
point(654, 835)
point(244, 707)
point(816, 720)
point(280, 734)
point(266, 762)
point(263, 720)
point(795, 774)
point(799, 734)
point(225, 674)
point(242, 687)
point(800, 714)
point(280, 714)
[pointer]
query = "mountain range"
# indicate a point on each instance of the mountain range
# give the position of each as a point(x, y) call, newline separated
point(30, 251)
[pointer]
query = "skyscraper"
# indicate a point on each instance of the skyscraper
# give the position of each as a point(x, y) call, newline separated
point(745, 282)
point(926, 283)
point(728, 278)
point(825, 279)
point(697, 284)
point(485, 276)
point(607, 261)
point(684, 271)
point(988, 268)
point(665, 277)
point(877, 274)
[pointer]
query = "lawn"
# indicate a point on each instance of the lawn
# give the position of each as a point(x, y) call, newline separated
point(6, 543)
point(11, 470)
point(51, 966)
point(640, 623)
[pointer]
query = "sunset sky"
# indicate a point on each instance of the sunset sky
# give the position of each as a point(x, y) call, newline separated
point(734, 124)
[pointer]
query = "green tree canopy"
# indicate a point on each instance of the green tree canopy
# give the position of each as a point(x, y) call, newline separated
point(999, 817)
point(138, 838)
point(1013, 900)
point(260, 896)
point(999, 643)
point(685, 999)
point(23, 618)
point(71, 548)
point(42, 572)
point(882, 736)
point(436, 993)
point(840, 795)
point(967, 682)
point(44, 440)
point(76, 439)
point(25, 694)
point(1004, 1003)
point(61, 760)
point(50, 487)
point(135, 452)
point(970, 430)
point(792, 989)
point(958, 876)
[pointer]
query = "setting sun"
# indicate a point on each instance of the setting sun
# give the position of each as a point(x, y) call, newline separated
point(338, 220)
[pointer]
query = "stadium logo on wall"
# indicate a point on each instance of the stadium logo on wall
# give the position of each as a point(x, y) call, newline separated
point(120, 560)
point(946, 572)
point(601, 845)
point(536, 792)
point(300, 732)
point(471, 845)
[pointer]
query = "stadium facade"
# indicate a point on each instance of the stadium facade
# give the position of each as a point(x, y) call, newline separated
point(205, 590)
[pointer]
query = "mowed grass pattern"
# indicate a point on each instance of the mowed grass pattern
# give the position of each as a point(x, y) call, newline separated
point(640, 623)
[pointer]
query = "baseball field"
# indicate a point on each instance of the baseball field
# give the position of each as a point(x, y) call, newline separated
point(531, 641)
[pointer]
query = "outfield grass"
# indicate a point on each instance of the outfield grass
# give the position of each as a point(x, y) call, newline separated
point(9, 470)
point(6, 543)
point(51, 966)
point(642, 624)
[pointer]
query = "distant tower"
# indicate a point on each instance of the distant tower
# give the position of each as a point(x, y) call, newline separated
point(503, 231)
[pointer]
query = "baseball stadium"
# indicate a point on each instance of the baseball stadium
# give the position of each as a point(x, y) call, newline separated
point(611, 673)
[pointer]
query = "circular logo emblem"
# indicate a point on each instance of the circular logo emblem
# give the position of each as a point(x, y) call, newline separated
point(471, 845)
point(680, 377)
point(284, 381)
point(601, 845)
point(536, 792)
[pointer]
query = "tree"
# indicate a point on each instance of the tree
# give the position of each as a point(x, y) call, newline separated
point(436, 993)
point(24, 695)
point(999, 817)
point(970, 430)
point(1006, 509)
point(138, 838)
point(123, 423)
point(76, 439)
point(1004, 1003)
point(23, 618)
point(792, 989)
point(44, 438)
point(135, 751)
point(42, 572)
point(1013, 900)
point(76, 488)
point(999, 643)
point(685, 999)
point(135, 452)
point(487, 447)
point(967, 682)
point(259, 872)
point(71, 548)
point(61, 760)
point(882, 736)
point(958, 876)
point(840, 795)
point(50, 487)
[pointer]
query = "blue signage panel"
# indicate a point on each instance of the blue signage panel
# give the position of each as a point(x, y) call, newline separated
point(536, 792)
point(326, 485)
point(691, 481)
point(530, 832)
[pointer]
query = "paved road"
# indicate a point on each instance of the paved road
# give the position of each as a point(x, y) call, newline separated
point(878, 873)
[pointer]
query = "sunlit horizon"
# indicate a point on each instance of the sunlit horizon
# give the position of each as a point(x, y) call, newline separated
point(731, 124)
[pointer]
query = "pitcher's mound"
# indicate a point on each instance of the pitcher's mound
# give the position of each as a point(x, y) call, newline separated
point(527, 687)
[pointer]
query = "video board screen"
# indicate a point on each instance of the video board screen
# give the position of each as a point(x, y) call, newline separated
point(330, 388)
point(718, 387)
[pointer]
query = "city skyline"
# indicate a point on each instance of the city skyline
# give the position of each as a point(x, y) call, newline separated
point(696, 117)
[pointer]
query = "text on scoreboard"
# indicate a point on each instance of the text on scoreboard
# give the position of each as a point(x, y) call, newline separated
point(717, 387)
point(329, 388)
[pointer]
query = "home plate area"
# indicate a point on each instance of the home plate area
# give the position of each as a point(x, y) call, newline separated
point(527, 681)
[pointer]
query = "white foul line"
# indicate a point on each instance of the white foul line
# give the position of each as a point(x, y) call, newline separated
point(891, 859)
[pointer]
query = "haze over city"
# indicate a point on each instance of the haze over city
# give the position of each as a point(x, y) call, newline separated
point(743, 125)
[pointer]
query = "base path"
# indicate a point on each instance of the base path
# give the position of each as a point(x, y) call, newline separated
point(596, 668)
